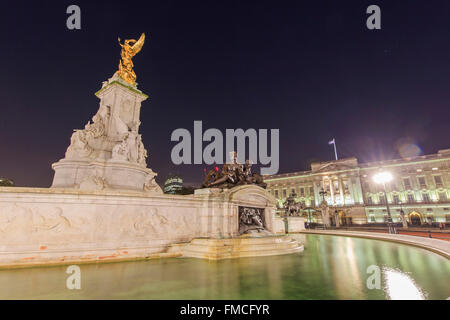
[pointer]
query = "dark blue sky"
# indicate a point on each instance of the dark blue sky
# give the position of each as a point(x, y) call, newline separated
point(310, 68)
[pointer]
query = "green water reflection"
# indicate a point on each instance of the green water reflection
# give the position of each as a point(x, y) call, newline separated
point(329, 268)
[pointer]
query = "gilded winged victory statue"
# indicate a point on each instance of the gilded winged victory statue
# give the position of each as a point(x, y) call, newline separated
point(130, 48)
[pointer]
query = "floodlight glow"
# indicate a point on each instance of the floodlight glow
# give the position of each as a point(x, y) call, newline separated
point(382, 177)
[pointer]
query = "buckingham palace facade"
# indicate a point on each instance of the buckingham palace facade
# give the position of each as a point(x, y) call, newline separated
point(420, 189)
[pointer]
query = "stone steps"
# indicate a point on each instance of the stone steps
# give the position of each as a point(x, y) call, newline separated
point(216, 249)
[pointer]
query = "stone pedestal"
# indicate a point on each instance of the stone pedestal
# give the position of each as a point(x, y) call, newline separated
point(219, 217)
point(404, 222)
point(109, 153)
point(295, 224)
point(325, 211)
point(336, 219)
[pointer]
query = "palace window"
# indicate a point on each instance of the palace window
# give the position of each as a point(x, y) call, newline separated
point(382, 199)
point(442, 196)
point(392, 186)
point(396, 199)
point(292, 191)
point(410, 198)
point(302, 192)
point(369, 200)
point(438, 181)
point(426, 197)
point(284, 193)
point(336, 185)
point(311, 191)
point(407, 183)
point(276, 193)
point(422, 183)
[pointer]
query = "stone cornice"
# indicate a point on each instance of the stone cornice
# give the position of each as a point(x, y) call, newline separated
point(134, 90)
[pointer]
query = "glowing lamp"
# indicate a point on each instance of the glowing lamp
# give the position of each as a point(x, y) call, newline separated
point(382, 177)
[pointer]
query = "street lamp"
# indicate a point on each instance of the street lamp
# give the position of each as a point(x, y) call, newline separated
point(323, 193)
point(382, 178)
point(336, 218)
point(402, 214)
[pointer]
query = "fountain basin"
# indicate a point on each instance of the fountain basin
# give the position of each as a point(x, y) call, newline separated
point(239, 247)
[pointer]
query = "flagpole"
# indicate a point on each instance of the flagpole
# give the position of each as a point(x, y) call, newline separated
point(335, 152)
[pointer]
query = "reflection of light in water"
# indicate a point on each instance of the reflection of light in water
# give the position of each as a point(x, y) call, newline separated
point(400, 286)
point(353, 267)
point(345, 270)
point(350, 249)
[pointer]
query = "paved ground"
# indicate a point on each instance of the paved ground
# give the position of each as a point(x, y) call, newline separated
point(434, 235)
point(436, 245)
point(419, 232)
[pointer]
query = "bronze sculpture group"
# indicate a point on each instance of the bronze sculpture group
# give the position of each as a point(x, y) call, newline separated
point(291, 207)
point(233, 174)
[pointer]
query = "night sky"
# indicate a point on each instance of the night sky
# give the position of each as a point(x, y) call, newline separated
point(310, 68)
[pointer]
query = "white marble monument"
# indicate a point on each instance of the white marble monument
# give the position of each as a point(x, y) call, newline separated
point(109, 153)
point(104, 203)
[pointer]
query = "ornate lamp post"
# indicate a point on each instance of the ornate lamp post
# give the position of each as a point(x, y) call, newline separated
point(402, 214)
point(323, 193)
point(382, 178)
point(324, 209)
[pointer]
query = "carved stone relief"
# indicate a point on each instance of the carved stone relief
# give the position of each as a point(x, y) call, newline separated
point(251, 219)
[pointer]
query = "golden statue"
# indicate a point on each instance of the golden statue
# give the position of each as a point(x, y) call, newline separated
point(129, 49)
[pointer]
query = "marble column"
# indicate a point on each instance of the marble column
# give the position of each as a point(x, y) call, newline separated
point(360, 198)
point(341, 190)
point(351, 190)
point(317, 198)
point(331, 191)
